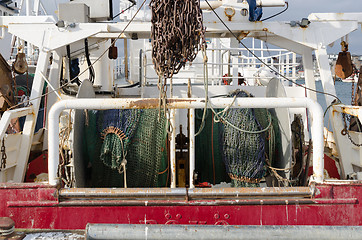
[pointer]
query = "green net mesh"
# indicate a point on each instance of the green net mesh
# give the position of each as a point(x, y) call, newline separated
point(139, 136)
point(209, 164)
point(118, 127)
point(223, 152)
point(244, 151)
point(148, 152)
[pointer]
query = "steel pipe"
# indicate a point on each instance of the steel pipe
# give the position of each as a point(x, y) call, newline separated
point(314, 108)
point(192, 148)
point(150, 231)
point(173, 147)
point(270, 3)
point(196, 193)
point(122, 193)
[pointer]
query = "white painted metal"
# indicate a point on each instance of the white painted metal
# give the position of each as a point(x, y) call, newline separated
point(173, 147)
point(11, 114)
point(336, 17)
point(52, 97)
point(344, 146)
point(325, 32)
point(30, 121)
point(191, 147)
point(270, 3)
point(309, 73)
point(276, 89)
point(314, 108)
point(103, 68)
point(350, 154)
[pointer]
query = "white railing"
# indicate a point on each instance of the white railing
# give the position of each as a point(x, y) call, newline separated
point(224, 61)
point(314, 108)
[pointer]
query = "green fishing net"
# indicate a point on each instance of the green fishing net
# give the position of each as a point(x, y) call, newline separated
point(209, 164)
point(138, 136)
point(224, 152)
point(244, 143)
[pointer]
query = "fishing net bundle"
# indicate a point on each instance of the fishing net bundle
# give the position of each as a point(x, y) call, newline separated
point(138, 136)
point(177, 34)
point(243, 152)
point(118, 127)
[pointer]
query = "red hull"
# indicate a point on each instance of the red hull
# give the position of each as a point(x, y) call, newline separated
point(38, 206)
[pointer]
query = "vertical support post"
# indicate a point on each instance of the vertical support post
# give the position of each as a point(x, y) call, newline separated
point(342, 142)
point(280, 63)
point(294, 69)
point(234, 44)
point(309, 73)
point(262, 50)
point(287, 66)
point(30, 121)
point(192, 147)
point(29, 13)
point(235, 71)
point(28, 8)
point(125, 58)
point(36, 7)
point(325, 72)
point(52, 98)
point(173, 147)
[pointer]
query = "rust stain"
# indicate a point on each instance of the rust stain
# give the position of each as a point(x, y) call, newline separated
point(144, 104)
point(243, 34)
point(154, 103)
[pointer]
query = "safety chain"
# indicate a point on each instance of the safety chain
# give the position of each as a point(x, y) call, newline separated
point(3, 156)
point(346, 132)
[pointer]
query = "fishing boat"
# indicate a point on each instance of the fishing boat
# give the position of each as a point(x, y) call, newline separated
point(165, 124)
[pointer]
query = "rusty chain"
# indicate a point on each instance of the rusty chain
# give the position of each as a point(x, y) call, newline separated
point(3, 156)
point(177, 34)
point(353, 100)
point(345, 130)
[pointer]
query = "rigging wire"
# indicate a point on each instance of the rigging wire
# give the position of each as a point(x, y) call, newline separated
point(86, 69)
point(133, 4)
point(267, 65)
point(277, 14)
point(131, 20)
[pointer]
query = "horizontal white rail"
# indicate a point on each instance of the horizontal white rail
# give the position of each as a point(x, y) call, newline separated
point(11, 114)
point(314, 108)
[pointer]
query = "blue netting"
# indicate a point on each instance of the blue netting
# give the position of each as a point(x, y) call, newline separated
point(243, 152)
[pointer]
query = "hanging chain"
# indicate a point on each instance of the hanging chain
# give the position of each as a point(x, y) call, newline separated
point(177, 34)
point(346, 132)
point(354, 91)
point(353, 100)
point(3, 156)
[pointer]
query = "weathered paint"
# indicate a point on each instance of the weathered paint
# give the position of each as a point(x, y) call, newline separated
point(40, 206)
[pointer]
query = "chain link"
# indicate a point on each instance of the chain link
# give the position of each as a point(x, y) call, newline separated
point(3, 156)
point(353, 95)
point(346, 132)
point(177, 34)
